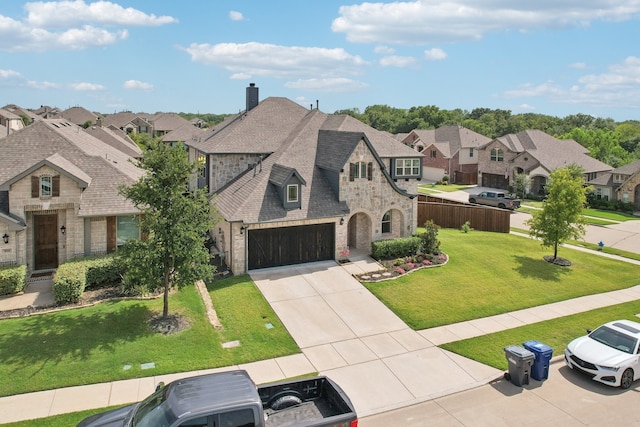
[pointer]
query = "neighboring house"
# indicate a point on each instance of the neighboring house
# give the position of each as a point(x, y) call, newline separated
point(128, 122)
point(448, 151)
point(22, 112)
point(61, 199)
point(10, 122)
point(536, 154)
point(46, 112)
point(622, 184)
point(79, 116)
point(295, 185)
point(116, 138)
point(163, 123)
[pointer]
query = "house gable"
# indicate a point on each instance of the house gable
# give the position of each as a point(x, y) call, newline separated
point(288, 183)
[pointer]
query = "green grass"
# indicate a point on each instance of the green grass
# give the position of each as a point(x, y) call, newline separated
point(594, 216)
point(432, 188)
point(92, 345)
point(494, 273)
point(556, 333)
point(63, 420)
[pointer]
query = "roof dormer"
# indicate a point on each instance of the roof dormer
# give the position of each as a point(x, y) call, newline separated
point(288, 183)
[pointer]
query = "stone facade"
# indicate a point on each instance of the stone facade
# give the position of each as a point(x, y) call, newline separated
point(225, 167)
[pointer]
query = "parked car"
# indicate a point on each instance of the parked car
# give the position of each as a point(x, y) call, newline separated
point(232, 399)
point(495, 199)
point(610, 354)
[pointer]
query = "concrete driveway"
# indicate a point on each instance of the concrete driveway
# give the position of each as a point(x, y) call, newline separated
point(349, 335)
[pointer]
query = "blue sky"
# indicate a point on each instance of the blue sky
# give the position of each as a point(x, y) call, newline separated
point(555, 57)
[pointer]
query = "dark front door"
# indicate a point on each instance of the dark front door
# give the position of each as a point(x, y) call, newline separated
point(290, 245)
point(45, 238)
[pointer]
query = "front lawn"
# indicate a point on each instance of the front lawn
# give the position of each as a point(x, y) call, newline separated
point(111, 341)
point(494, 273)
point(438, 188)
point(556, 333)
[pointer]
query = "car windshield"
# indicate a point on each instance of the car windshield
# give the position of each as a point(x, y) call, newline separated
point(614, 339)
point(154, 411)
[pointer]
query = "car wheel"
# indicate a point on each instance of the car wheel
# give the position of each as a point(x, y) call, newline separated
point(472, 200)
point(627, 378)
point(501, 206)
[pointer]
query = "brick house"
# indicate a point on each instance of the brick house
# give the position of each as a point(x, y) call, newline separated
point(61, 200)
point(621, 183)
point(296, 185)
point(534, 153)
point(448, 151)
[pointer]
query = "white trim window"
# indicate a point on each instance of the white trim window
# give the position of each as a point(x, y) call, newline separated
point(292, 193)
point(408, 167)
point(386, 222)
point(497, 155)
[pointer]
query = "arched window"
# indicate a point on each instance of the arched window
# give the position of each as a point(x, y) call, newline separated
point(386, 222)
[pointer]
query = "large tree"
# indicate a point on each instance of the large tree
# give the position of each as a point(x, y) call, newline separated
point(174, 223)
point(560, 218)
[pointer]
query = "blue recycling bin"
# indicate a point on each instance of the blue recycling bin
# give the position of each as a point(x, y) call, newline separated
point(543, 354)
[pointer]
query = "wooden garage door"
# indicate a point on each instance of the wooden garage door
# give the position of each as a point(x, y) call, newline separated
point(494, 181)
point(274, 247)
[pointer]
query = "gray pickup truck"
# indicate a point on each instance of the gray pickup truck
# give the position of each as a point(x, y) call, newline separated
point(496, 199)
point(231, 399)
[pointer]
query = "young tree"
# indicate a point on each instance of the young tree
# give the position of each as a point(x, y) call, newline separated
point(174, 222)
point(561, 216)
point(522, 183)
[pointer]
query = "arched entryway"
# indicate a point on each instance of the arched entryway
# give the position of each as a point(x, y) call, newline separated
point(359, 232)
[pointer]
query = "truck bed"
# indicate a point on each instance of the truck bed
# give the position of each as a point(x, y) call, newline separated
point(307, 402)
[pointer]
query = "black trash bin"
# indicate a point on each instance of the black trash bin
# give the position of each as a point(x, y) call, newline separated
point(520, 360)
point(543, 354)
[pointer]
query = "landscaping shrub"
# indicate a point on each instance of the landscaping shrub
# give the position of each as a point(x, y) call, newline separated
point(73, 277)
point(429, 239)
point(395, 248)
point(13, 279)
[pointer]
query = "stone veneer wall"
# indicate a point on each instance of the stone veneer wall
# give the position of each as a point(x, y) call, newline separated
point(226, 167)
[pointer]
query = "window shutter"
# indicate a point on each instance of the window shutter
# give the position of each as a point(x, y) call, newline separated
point(352, 171)
point(55, 186)
point(112, 234)
point(35, 187)
point(369, 171)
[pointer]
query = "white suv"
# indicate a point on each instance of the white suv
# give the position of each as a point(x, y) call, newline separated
point(610, 354)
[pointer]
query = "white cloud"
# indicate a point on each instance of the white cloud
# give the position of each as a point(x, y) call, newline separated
point(526, 107)
point(72, 25)
point(138, 85)
point(8, 74)
point(277, 61)
point(397, 61)
point(435, 54)
point(240, 76)
point(619, 87)
point(384, 50)
point(70, 13)
point(236, 16)
point(425, 22)
point(90, 87)
point(42, 85)
point(328, 85)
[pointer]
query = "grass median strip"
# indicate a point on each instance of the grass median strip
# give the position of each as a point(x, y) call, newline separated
point(556, 333)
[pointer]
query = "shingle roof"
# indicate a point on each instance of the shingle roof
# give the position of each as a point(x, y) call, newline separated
point(185, 133)
point(79, 115)
point(116, 138)
point(166, 122)
point(552, 153)
point(317, 144)
point(629, 169)
point(62, 144)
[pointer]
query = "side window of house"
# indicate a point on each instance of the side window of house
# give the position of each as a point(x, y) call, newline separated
point(434, 154)
point(497, 155)
point(386, 222)
point(292, 193)
point(126, 228)
point(408, 167)
point(360, 170)
point(470, 152)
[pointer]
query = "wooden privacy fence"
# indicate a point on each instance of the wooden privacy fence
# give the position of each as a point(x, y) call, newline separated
point(452, 214)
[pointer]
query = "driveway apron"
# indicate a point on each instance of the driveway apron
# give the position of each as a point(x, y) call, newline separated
point(347, 334)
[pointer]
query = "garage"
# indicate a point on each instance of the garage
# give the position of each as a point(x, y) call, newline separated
point(492, 180)
point(273, 247)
